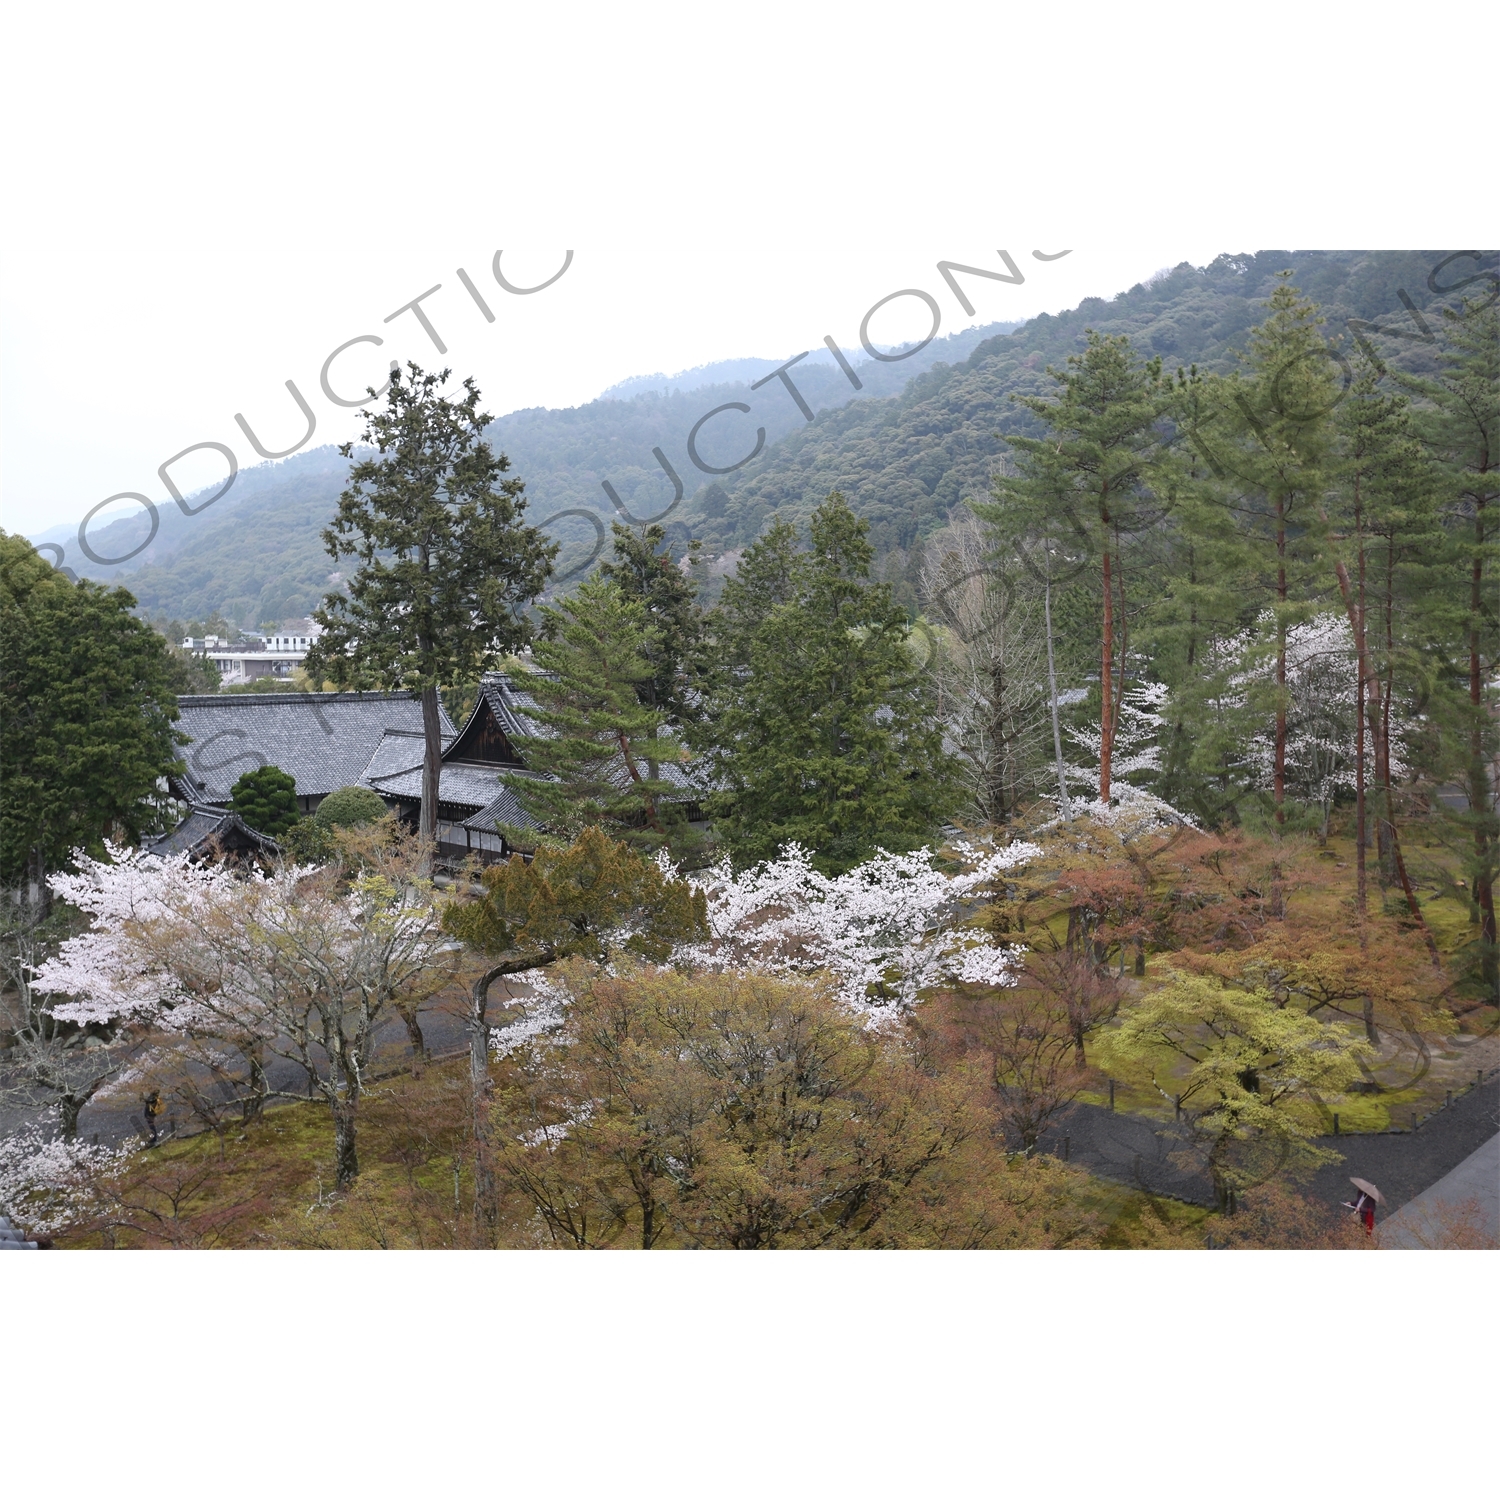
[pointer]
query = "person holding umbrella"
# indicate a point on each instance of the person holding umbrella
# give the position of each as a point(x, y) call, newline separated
point(1365, 1201)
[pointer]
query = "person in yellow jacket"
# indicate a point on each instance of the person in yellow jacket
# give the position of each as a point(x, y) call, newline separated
point(153, 1107)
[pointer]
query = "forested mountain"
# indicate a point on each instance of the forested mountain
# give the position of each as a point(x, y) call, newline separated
point(920, 436)
point(257, 555)
point(906, 462)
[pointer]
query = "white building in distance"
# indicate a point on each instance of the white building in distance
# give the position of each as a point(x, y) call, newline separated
point(277, 655)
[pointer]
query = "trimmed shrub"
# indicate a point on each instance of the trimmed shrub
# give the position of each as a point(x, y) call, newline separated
point(266, 800)
point(349, 807)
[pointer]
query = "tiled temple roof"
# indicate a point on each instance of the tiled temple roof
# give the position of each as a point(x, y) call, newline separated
point(322, 740)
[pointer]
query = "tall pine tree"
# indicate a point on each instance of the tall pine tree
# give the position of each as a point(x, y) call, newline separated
point(1270, 438)
point(1092, 472)
point(603, 758)
point(642, 566)
point(1461, 424)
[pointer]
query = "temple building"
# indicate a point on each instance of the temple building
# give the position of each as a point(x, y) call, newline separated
point(474, 804)
point(325, 741)
point(209, 832)
point(322, 740)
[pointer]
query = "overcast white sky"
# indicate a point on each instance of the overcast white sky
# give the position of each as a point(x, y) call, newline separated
point(205, 204)
point(100, 388)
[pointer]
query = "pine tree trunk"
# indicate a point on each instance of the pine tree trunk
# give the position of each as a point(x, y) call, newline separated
point(1354, 607)
point(1479, 781)
point(1062, 779)
point(1279, 766)
point(648, 800)
point(1362, 669)
point(1412, 904)
point(1106, 684)
point(432, 764)
point(1124, 634)
point(1387, 828)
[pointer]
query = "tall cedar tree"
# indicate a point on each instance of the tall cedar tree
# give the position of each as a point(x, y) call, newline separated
point(643, 568)
point(1462, 428)
point(1092, 473)
point(86, 712)
point(447, 567)
point(819, 727)
point(604, 754)
point(1272, 438)
point(1196, 593)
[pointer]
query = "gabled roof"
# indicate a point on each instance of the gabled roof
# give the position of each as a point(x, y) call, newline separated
point(498, 725)
point(399, 750)
point(488, 748)
point(322, 740)
point(208, 830)
point(513, 706)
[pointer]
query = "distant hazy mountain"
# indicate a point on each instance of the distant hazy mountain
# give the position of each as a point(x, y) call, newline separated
point(257, 555)
point(878, 379)
point(920, 436)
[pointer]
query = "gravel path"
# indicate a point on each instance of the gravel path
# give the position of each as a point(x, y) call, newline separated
point(1137, 1151)
point(118, 1119)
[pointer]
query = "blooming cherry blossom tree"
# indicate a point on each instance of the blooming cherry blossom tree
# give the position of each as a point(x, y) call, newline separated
point(886, 931)
point(48, 1185)
point(305, 964)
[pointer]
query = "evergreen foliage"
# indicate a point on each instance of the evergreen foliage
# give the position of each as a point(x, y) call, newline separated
point(819, 725)
point(643, 568)
point(1459, 420)
point(919, 438)
point(597, 657)
point(1090, 479)
point(446, 564)
point(86, 712)
point(266, 800)
point(595, 899)
point(349, 807)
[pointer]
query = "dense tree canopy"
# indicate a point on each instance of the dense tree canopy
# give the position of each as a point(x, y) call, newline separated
point(604, 739)
point(645, 571)
point(818, 724)
point(86, 712)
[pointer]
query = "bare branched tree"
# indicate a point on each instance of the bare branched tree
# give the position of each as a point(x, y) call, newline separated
point(1089, 997)
point(991, 668)
point(1024, 1034)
